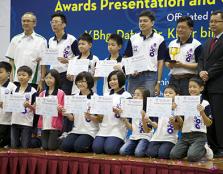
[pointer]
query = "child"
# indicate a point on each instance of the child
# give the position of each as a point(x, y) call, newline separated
point(22, 123)
point(141, 133)
point(52, 126)
point(165, 136)
point(112, 130)
point(5, 118)
point(82, 135)
point(114, 46)
point(192, 145)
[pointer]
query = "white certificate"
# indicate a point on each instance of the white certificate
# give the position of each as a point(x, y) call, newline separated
point(49, 57)
point(101, 105)
point(3, 92)
point(136, 63)
point(187, 105)
point(77, 65)
point(104, 68)
point(131, 108)
point(47, 106)
point(14, 103)
point(75, 104)
point(159, 107)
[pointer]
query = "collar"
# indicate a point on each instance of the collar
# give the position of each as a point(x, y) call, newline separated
point(219, 35)
point(90, 57)
point(64, 37)
point(89, 95)
point(189, 40)
point(31, 36)
point(148, 36)
point(55, 91)
point(121, 91)
point(28, 88)
point(6, 83)
point(119, 58)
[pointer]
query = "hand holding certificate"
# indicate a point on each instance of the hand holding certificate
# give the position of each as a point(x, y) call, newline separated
point(47, 106)
point(101, 105)
point(131, 108)
point(77, 65)
point(49, 57)
point(187, 105)
point(136, 64)
point(104, 67)
point(159, 107)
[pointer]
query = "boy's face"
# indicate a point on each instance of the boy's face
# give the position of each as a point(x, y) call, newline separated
point(23, 77)
point(4, 75)
point(169, 93)
point(194, 88)
point(113, 47)
point(145, 24)
point(84, 46)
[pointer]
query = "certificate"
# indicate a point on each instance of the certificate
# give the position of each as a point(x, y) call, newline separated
point(187, 105)
point(101, 105)
point(47, 106)
point(75, 104)
point(104, 68)
point(14, 103)
point(77, 65)
point(49, 57)
point(131, 108)
point(136, 63)
point(3, 92)
point(159, 107)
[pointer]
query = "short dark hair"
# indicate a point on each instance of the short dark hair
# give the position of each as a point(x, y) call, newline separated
point(86, 37)
point(7, 66)
point(120, 75)
point(197, 80)
point(217, 12)
point(173, 87)
point(87, 76)
point(56, 76)
point(117, 38)
point(148, 13)
point(61, 15)
point(145, 93)
point(26, 69)
point(186, 19)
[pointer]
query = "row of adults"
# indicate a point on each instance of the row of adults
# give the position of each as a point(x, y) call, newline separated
point(192, 59)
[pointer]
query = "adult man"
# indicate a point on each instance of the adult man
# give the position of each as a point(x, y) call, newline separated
point(210, 68)
point(185, 51)
point(26, 49)
point(151, 44)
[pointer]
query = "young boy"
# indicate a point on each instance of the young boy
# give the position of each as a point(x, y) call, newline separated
point(5, 117)
point(22, 123)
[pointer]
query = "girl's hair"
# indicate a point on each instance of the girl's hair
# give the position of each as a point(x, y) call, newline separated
point(197, 80)
point(88, 77)
point(145, 94)
point(121, 78)
point(54, 73)
point(173, 87)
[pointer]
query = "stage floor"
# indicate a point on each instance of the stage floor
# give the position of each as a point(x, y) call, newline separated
point(213, 165)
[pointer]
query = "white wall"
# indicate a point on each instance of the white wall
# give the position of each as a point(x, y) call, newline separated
point(5, 6)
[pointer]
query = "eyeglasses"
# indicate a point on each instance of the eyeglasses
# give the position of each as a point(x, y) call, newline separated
point(214, 22)
point(55, 22)
point(28, 21)
point(82, 81)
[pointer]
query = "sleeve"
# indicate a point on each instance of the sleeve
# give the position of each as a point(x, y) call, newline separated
point(207, 110)
point(167, 57)
point(33, 99)
point(216, 69)
point(61, 98)
point(128, 50)
point(10, 54)
point(197, 52)
point(74, 48)
point(162, 51)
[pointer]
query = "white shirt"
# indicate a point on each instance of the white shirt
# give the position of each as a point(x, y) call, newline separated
point(25, 50)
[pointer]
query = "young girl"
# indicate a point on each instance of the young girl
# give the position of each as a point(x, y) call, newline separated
point(112, 130)
point(141, 133)
point(165, 136)
point(194, 139)
point(81, 137)
point(52, 126)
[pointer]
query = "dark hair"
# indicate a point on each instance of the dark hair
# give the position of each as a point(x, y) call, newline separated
point(61, 15)
point(26, 69)
point(88, 77)
point(117, 38)
point(173, 87)
point(186, 19)
point(54, 73)
point(145, 93)
point(7, 66)
point(86, 37)
point(197, 80)
point(217, 12)
point(121, 78)
point(149, 14)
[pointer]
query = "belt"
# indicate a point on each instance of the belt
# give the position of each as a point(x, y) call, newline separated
point(183, 76)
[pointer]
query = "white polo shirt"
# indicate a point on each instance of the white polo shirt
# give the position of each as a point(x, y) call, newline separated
point(25, 50)
point(67, 48)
